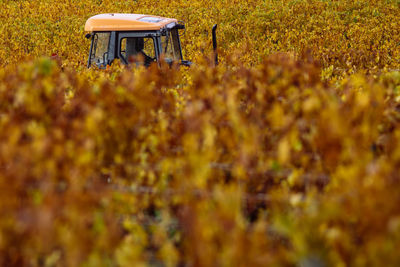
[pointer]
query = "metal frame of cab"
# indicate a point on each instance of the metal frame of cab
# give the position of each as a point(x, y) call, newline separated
point(114, 44)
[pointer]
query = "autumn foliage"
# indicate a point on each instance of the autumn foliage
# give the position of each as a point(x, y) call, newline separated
point(285, 154)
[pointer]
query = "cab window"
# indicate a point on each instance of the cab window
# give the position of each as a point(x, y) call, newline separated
point(171, 46)
point(140, 50)
point(99, 51)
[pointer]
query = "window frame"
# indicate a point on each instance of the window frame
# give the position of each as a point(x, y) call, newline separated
point(138, 34)
point(92, 47)
point(168, 32)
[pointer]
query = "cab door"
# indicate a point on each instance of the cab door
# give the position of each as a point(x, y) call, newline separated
point(141, 48)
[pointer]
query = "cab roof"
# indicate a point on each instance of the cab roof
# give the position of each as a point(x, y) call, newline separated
point(126, 22)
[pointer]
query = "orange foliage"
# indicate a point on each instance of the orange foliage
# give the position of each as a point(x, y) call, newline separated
point(276, 157)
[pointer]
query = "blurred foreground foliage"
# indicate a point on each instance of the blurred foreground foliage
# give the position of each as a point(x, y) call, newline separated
point(214, 167)
point(286, 154)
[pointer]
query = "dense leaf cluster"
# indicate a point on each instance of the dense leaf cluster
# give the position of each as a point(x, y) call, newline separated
point(222, 166)
point(285, 154)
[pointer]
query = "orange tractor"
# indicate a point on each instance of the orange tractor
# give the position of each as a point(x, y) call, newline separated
point(142, 39)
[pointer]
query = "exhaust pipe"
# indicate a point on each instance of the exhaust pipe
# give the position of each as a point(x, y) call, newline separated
point(214, 40)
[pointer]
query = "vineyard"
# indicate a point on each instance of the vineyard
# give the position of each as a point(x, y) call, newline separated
point(285, 154)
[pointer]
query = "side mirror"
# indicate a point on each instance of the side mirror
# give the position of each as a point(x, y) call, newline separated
point(179, 26)
point(87, 36)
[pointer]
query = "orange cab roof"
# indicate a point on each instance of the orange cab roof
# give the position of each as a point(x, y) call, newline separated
point(126, 22)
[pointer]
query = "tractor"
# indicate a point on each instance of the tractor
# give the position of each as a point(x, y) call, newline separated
point(136, 38)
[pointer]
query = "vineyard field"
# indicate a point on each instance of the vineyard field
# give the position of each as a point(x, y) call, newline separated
point(285, 154)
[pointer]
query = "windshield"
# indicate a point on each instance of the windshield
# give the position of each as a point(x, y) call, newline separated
point(99, 51)
point(171, 45)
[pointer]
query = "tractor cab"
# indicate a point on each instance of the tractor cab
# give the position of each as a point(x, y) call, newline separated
point(133, 38)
